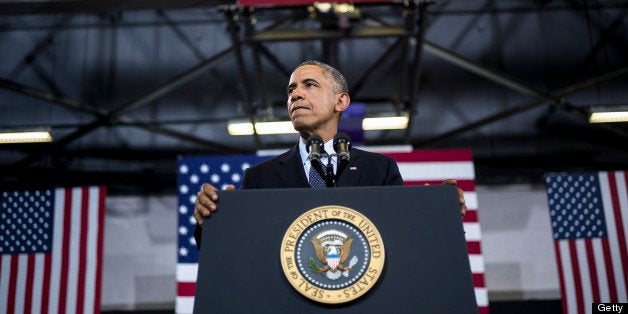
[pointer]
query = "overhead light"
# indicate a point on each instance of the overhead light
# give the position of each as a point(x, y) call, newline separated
point(286, 127)
point(609, 114)
point(385, 123)
point(15, 137)
point(323, 7)
point(262, 128)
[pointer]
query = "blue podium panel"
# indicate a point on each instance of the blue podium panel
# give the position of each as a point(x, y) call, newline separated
point(426, 267)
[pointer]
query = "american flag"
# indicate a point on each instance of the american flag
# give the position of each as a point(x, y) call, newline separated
point(192, 173)
point(417, 168)
point(51, 244)
point(589, 216)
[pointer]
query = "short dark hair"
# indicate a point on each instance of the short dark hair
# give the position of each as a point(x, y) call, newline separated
point(338, 82)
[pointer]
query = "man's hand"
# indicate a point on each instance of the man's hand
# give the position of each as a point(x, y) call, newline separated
point(463, 206)
point(206, 200)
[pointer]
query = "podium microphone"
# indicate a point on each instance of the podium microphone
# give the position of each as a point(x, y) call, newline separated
point(314, 146)
point(342, 146)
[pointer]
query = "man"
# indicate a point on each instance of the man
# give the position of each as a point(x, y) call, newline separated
point(317, 95)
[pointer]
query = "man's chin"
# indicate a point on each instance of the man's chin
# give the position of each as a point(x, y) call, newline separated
point(302, 128)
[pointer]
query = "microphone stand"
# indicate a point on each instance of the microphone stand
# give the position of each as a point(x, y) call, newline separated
point(329, 173)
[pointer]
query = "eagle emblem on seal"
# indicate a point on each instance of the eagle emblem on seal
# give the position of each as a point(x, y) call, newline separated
point(332, 248)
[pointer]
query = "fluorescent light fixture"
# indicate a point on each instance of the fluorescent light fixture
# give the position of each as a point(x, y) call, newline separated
point(609, 116)
point(385, 123)
point(25, 137)
point(323, 7)
point(286, 127)
point(263, 128)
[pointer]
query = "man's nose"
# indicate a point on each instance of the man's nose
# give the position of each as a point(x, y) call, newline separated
point(296, 95)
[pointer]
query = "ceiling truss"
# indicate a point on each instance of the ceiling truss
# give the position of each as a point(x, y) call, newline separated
point(408, 47)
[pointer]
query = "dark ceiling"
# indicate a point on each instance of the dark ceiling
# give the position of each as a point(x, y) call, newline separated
point(127, 86)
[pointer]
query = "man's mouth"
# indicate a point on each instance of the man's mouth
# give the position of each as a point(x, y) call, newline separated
point(297, 107)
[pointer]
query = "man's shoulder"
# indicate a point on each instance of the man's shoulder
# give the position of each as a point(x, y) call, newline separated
point(272, 162)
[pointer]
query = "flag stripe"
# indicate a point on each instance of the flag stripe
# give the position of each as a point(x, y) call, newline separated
point(432, 155)
point(570, 285)
point(184, 305)
point(609, 269)
point(99, 224)
point(37, 287)
point(477, 263)
point(57, 249)
point(80, 290)
point(474, 247)
point(45, 297)
point(65, 251)
point(472, 231)
point(478, 280)
point(481, 296)
point(598, 254)
point(13, 283)
point(187, 272)
point(186, 289)
point(575, 268)
point(436, 171)
point(75, 236)
point(470, 216)
point(595, 289)
point(561, 277)
point(585, 282)
point(20, 290)
point(28, 291)
point(471, 200)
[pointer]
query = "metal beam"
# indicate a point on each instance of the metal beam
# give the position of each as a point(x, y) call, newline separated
point(144, 99)
point(39, 48)
point(357, 87)
point(415, 75)
point(410, 24)
point(513, 83)
point(123, 120)
point(234, 31)
point(523, 107)
point(493, 75)
point(172, 84)
point(307, 34)
point(17, 7)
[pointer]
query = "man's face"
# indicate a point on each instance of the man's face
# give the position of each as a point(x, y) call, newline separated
point(311, 100)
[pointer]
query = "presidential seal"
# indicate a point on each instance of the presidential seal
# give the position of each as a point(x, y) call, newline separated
point(332, 254)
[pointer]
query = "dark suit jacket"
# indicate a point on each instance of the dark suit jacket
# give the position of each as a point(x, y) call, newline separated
point(286, 171)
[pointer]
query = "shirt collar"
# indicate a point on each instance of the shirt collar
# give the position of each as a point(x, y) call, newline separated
point(329, 148)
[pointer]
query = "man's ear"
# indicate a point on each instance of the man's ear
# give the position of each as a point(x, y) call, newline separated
point(343, 102)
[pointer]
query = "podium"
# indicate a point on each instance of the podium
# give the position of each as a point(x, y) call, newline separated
point(426, 266)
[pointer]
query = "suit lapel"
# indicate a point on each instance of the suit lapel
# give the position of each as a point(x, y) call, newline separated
point(351, 175)
point(290, 169)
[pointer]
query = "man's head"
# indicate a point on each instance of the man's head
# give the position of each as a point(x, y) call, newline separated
point(317, 95)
